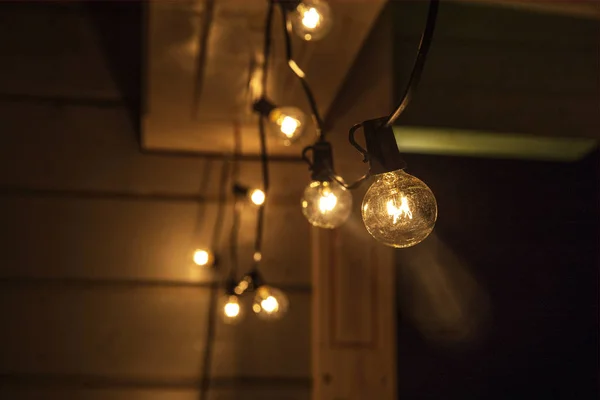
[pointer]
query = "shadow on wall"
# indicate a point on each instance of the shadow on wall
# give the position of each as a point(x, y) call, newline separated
point(440, 296)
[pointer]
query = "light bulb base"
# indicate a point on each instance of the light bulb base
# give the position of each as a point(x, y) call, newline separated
point(230, 285)
point(240, 190)
point(289, 5)
point(321, 166)
point(255, 280)
point(263, 107)
point(382, 152)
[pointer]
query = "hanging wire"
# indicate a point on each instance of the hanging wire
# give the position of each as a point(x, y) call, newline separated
point(235, 226)
point(264, 160)
point(211, 318)
point(419, 64)
point(300, 74)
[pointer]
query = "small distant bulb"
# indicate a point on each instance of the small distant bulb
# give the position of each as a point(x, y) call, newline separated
point(287, 123)
point(312, 20)
point(399, 210)
point(326, 204)
point(203, 258)
point(270, 303)
point(257, 197)
point(231, 310)
point(257, 256)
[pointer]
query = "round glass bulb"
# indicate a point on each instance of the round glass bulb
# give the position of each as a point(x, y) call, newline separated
point(203, 258)
point(231, 311)
point(399, 210)
point(257, 197)
point(326, 204)
point(270, 303)
point(287, 123)
point(312, 20)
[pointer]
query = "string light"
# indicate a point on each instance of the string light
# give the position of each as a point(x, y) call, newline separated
point(285, 123)
point(229, 305)
point(203, 258)
point(399, 210)
point(270, 303)
point(325, 203)
point(311, 19)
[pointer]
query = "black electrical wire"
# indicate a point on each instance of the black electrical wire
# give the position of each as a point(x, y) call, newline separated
point(262, 135)
point(303, 82)
point(235, 226)
point(419, 64)
point(211, 317)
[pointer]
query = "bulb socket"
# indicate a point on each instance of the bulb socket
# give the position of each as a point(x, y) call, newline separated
point(255, 280)
point(321, 166)
point(240, 190)
point(382, 152)
point(230, 285)
point(289, 5)
point(263, 106)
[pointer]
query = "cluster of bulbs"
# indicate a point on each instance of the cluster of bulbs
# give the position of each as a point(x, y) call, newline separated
point(269, 302)
point(398, 209)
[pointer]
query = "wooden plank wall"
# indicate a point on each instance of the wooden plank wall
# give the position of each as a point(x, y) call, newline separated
point(501, 69)
point(98, 295)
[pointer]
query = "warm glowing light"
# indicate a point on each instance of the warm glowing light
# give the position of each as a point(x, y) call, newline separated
point(326, 204)
point(270, 304)
point(289, 126)
point(327, 201)
point(257, 256)
point(257, 196)
point(231, 310)
point(397, 212)
point(203, 258)
point(410, 204)
point(286, 123)
point(241, 287)
point(311, 18)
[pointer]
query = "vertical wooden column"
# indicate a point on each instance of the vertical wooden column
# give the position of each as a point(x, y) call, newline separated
point(354, 307)
point(353, 316)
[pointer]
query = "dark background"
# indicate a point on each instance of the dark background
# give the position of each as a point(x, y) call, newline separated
point(529, 232)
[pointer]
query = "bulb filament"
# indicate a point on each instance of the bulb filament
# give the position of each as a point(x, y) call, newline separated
point(327, 202)
point(270, 304)
point(289, 126)
point(311, 18)
point(397, 212)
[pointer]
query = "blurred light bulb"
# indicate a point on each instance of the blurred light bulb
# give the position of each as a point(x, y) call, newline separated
point(257, 197)
point(312, 19)
point(399, 210)
point(326, 204)
point(230, 308)
point(287, 123)
point(203, 258)
point(270, 303)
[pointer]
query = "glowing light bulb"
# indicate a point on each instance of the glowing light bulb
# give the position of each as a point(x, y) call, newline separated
point(257, 197)
point(203, 258)
point(399, 210)
point(326, 204)
point(312, 19)
point(231, 311)
point(287, 123)
point(270, 303)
